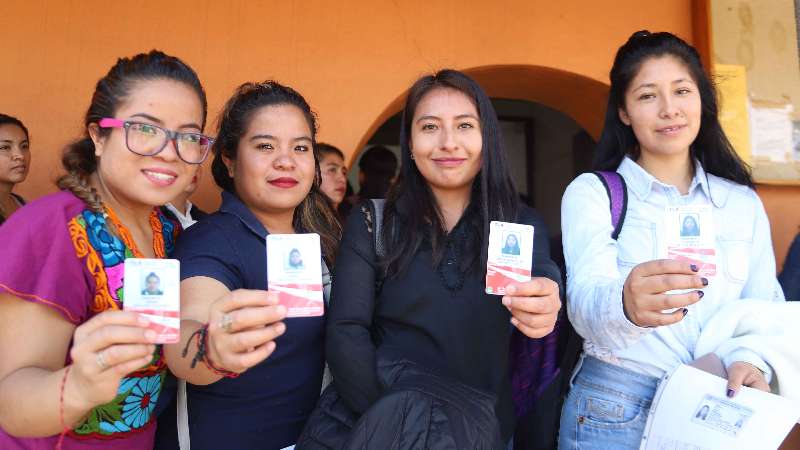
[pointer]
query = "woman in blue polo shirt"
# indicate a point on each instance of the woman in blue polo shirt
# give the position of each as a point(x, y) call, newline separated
point(252, 375)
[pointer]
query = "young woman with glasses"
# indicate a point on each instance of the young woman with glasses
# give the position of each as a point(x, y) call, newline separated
point(89, 371)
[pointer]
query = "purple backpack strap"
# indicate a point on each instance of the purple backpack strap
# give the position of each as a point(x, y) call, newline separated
point(617, 192)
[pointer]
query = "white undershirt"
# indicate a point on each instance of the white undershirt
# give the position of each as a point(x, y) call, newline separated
point(185, 220)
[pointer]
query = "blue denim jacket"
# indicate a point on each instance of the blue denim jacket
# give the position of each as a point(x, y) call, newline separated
point(597, 265)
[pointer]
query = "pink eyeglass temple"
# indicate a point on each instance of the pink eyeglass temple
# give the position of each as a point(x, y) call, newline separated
point(108, 122)
point(111, 123)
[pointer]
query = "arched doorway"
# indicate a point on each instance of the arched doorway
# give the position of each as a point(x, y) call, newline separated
point(550, 120)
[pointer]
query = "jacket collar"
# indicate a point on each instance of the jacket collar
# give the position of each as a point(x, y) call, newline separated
point(641, 182)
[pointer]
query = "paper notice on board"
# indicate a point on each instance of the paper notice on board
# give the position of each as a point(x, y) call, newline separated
point(691, 411)
point(731, 81)
point(771, 133)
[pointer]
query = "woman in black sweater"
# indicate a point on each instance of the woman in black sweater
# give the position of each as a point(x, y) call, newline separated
point(424, 300)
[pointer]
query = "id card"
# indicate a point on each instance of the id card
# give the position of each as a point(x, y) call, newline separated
point(151, 287)
point(294, 270)
point(721, 415)
point(690, 237)
point(510, 256)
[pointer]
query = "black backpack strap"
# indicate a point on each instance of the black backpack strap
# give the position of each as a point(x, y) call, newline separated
point(376, 206)
point(617, 192)
point(373, 216)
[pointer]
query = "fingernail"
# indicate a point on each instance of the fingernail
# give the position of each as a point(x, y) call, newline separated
point(280, 328)
point(700, 294)
point(705, 281)
point(685, 312)
point(511, 289)
point(506, 301)
point(150, 335)
point(514, 321)
point(694, 267)
point(731, 393)
point(281, 309)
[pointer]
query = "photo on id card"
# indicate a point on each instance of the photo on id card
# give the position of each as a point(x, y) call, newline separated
point(294, 270)
point(510, 255)
point(690, 237)
point(151, 287)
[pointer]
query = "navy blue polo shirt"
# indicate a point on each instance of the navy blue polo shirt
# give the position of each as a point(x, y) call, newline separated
point(267, 406)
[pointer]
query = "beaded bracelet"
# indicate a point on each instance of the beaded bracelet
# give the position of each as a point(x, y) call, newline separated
point(202, 353)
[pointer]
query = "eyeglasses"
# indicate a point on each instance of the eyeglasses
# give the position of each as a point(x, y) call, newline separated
point(146, 139)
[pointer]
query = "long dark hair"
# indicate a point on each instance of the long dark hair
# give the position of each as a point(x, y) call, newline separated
point(314, 213)
point(321, 149)
point(711, 147)
point(5, 119)
point(379, 165)
point(79, 159)
point(412, 214)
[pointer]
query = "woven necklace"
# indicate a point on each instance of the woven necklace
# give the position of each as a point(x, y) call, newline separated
point(155, 225)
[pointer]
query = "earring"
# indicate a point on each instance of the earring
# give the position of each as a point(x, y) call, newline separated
point(412, 155)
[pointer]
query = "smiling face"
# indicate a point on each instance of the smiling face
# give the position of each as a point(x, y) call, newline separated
point(149, 180)
point(446, 140)
point(511, 241)
point(294, 258)
point(662, 105)
point(689, 224)
point(152, 284)
point(334, 177)
point(15, 156)
point(274, 167)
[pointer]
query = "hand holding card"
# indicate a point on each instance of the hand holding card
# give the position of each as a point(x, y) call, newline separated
point(151, 287)
point(242, 327)
point(534, 306)
point(294, 270)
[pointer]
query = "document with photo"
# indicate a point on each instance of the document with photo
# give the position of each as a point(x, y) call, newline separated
point(690, 237)
point(151, 287)
point(294, 270)
point(510, 255)
point(691, 411)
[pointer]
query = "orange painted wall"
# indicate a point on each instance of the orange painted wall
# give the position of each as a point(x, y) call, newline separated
point(352, 60)
point(783, 208)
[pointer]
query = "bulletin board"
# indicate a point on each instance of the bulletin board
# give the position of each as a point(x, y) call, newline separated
point(757, 72)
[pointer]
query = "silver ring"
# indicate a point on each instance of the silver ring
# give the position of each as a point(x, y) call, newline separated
point(101, 360)
point(226, 322)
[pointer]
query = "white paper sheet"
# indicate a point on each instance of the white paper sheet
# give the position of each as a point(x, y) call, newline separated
point(771, 131)
point(691, 412)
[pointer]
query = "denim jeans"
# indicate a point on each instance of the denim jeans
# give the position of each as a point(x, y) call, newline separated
point(606, 408)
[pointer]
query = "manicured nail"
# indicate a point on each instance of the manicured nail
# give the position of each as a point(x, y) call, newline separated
point(281, 310)
point(514, 321)
point(506, 301)
point(705, 281)
point(511, 289)
point(685, 312)
point(150, 335)
point(694, 267)
point(731, 393)
point(700, 294)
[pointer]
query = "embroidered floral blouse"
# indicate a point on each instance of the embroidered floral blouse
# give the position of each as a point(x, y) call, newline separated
point(60, 254)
